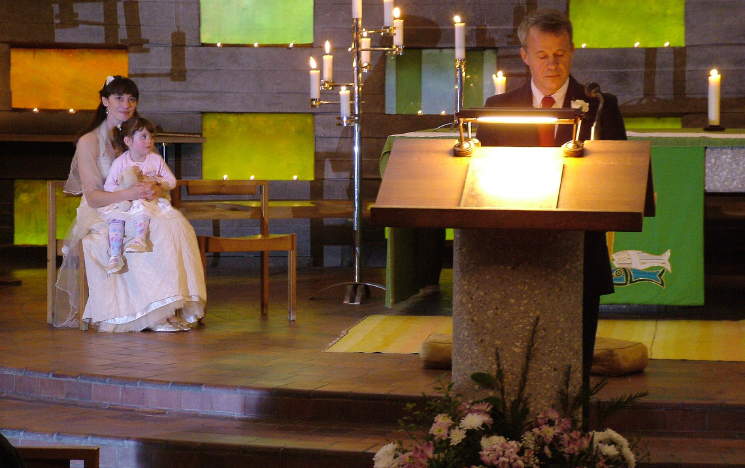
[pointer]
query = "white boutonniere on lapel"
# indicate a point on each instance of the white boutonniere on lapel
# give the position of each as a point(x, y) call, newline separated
point(580, 104)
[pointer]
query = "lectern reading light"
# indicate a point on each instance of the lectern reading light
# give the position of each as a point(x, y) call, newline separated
point(509, 115)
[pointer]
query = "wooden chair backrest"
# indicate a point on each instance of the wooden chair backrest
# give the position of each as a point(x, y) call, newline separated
point(224, 191)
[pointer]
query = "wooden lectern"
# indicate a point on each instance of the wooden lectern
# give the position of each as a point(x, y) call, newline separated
point(517, 260)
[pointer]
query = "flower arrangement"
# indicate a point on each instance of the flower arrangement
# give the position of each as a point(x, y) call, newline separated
point(451, 432)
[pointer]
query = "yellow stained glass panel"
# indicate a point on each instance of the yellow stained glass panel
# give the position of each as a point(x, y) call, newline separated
point(62, 78)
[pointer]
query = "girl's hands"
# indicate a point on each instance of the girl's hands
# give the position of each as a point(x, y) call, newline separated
point(143, 190)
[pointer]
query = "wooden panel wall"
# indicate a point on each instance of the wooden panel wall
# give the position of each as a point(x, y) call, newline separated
point(179, 79)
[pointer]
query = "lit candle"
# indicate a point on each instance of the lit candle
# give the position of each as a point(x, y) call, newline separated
point(387, 12)
point(398, 24)
point(356, 8)
point(328, 64)
point(500, 83)
point(365, 54)
point(460, 39)
point(315, 80)
point(225, 177)
point(344, 101)
point(714, 94)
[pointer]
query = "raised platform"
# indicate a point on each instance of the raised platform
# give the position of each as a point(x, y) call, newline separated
point(247, 391)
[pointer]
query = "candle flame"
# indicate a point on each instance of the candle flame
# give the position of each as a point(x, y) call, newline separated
point(396, 12)
point(343, 88)
point(456, 18)
point(364, 33)
point(714, 72)
point(636, 44)
point(312, 63)
point(328, 47)
point(499, 74)
point(225, 177)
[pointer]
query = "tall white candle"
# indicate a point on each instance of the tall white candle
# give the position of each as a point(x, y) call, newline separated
point(328, 64)
point(356, 8)
point(315, 80)
point(344, 101)
point(500, 83)
point(398, 38)
point(365, 54)
point(714, 96)
point(387, 12)
point(460, 39)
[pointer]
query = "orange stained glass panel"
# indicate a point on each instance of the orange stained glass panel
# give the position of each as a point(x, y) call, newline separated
point(62, 78)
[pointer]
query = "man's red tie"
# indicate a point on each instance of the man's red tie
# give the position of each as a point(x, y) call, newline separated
point(546, 132)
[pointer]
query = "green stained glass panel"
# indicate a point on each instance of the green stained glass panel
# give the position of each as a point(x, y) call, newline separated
point(623, 23)
point(30, 212)
point(652, 122)
point(256, 21)
point(423, 80)
point(266, 146)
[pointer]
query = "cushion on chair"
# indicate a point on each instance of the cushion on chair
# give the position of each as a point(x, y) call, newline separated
point(618, 357)
point(436, 351)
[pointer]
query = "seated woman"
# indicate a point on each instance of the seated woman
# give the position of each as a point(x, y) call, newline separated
point(161, 289)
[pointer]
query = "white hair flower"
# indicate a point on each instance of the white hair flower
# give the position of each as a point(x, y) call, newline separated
point(109, 79)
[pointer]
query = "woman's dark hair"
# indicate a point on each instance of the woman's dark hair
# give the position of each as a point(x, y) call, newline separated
point(128, 129)
point(118, 85)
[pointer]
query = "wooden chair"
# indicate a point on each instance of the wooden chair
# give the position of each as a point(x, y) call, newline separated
point(54, 249)
point(49, 457)
point(216, 208)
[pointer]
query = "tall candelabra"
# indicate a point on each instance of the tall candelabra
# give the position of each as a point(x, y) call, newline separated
point(356, 290)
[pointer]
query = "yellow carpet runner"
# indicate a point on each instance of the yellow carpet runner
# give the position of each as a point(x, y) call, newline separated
point(696, 340)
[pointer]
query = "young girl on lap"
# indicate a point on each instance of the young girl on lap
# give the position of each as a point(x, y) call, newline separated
point(136, 137)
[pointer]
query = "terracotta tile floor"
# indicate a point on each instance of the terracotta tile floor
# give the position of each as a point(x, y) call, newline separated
point(237, 348)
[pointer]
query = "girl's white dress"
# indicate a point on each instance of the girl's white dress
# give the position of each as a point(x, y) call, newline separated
point(166, 283)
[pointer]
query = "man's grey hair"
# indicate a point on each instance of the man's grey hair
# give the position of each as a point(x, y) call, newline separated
point(546, 20)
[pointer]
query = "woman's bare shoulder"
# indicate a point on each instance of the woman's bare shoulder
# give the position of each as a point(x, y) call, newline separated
point(90, 138)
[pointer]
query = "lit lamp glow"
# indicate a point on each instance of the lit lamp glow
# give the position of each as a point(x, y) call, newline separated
point(715, 80)
point(315, 80)
point(460, 39)
point(466, 144)
point(500, 83)
point(398, 24)
point(328, 64)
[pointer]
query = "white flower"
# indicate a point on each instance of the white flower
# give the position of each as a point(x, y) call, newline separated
point(487, 442)
point(610, 443)
point(580, 104)
point(473, 421)
point(457, 435)
point(609, 451)
point(109, 79)
point(385, 456)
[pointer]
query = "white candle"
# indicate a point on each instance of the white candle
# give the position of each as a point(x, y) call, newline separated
point(500, 83)
point(315, 80)
point(460, 39)
point(398, 38)
point(387, 12)
point(344, 101)
point(714, 95)
point(328, 64)
point(365, 54)
point(356, 8)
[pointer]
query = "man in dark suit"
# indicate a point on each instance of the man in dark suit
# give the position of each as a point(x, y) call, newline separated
point(547, 48)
